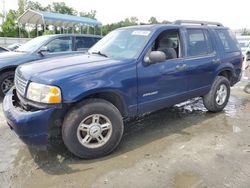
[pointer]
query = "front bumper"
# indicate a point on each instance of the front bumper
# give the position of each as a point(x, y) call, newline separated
point(31, 126)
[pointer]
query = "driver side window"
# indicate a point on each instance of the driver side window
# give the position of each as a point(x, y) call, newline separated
point(168, 42)
point(63, 44)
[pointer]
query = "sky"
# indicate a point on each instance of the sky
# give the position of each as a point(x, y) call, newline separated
point(231, 13)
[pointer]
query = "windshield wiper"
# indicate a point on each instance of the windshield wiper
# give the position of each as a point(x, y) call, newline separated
point(100, 53)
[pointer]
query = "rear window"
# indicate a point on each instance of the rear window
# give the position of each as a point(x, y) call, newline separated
point(228, 40)
point(199, 42)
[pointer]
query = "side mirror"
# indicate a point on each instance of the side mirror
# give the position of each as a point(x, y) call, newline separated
point(248, 52)
point(43, 50)
point(155, 57)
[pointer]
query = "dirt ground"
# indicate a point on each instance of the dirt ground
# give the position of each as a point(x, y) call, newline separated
point(184, 146)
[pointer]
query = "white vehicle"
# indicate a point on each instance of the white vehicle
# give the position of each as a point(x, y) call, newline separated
point(244, 42)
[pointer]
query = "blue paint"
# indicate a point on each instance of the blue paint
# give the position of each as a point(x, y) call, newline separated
point(141, 87)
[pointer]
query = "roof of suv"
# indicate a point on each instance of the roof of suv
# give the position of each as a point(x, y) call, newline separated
point(74, 35)
point(179, 23)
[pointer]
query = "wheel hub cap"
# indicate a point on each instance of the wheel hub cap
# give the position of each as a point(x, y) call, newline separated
point(7, 84)
point(95, 131)
point(221, 94)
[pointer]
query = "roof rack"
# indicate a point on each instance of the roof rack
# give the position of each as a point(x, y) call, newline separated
point(179, 22)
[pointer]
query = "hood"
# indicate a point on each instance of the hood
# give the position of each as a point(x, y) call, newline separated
point(11, 55)
point(12, 58)
point(64, 67)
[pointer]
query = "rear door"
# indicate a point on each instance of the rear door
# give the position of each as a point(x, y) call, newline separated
point(201, 59)
point(231, 53)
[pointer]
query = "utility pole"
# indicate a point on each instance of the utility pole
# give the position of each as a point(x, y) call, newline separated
point(3, 11)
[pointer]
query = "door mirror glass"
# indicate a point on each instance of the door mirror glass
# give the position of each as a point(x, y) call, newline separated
point(155, 57)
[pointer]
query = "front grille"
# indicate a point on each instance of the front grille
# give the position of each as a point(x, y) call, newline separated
point(20, 83)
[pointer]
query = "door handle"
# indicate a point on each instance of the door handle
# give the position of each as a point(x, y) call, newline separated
point(216, 61)
point(181, 67)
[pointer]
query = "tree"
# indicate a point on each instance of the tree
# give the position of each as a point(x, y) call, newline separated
point(9, 27)
point(153, 20)
point(245, 31)
point(35, 6)
point(133, 20)
point(91, 14)
point(21, 6)
point(166, 22)
point(126, 22)
point(62, 8)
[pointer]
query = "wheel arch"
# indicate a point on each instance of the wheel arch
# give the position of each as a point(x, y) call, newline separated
point(227, 73)
point(6, 69)
point(113, 97)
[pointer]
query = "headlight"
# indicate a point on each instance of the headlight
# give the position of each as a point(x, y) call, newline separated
point(44, 93)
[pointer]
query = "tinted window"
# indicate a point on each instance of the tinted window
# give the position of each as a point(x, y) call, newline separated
point(84, 43)
point(228, 40)
point(199, 42)
point(63, 44)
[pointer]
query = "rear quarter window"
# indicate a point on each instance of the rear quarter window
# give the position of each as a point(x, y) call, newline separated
point(228, 40)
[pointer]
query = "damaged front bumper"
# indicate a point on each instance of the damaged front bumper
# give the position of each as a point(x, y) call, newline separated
point(33, 127)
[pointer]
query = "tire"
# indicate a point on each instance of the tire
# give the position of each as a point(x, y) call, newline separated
point(6, 82)
point(78, 126)
point(247, 88)
point(210, 100)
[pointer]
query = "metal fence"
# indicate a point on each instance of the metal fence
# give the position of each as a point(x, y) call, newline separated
point(6, 41)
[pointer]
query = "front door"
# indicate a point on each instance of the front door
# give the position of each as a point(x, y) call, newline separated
point(162, 84)
point(59, 46)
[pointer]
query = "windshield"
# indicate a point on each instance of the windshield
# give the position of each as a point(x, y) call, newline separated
point(32, 45)
point(122, 44)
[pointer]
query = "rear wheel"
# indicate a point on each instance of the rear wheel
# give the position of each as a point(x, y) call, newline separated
point(92, 128)
point(6, 82)
point(218, 96)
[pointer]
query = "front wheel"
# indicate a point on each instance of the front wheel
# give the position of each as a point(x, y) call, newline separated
point(217, 98)
point(6, 82)
point(92, 128)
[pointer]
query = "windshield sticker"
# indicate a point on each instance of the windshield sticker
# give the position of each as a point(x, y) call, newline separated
point(141, 32)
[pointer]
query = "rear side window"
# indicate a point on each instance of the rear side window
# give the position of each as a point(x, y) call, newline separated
point(228, 40)
point(84, 43)
point(199, 42)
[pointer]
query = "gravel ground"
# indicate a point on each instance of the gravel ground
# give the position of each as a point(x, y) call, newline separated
point(184, 146)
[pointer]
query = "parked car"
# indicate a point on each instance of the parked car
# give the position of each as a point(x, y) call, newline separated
point(40, 48)
point(131, 71)
point(244, 42)
point(13, 47)
point(2, 49)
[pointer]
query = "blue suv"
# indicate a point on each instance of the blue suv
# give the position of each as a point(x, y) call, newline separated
point(131, 71)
